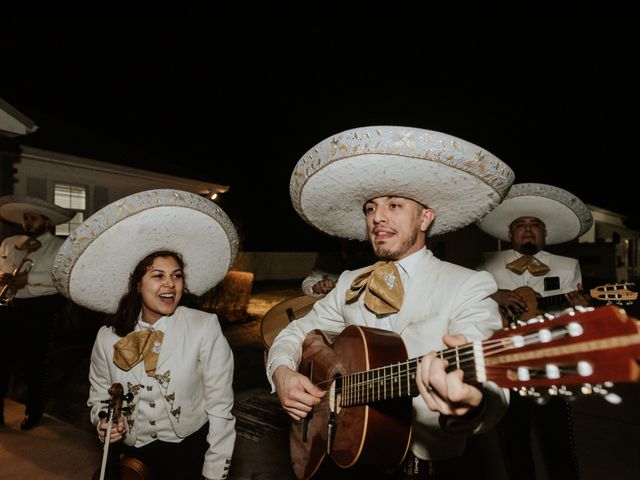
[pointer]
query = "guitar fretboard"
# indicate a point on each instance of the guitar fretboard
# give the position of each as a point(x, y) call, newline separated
point(552, 302)
point(395, 381)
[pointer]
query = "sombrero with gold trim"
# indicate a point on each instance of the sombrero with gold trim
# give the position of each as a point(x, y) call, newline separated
point(13, 208)
point(93, 265)
point(332, 181)
point(564, 214)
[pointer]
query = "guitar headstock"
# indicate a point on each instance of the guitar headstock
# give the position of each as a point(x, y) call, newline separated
point(592, 348)
point(614, 292)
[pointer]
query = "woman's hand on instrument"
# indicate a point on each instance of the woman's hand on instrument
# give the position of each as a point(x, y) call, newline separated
point(296, 392)
point(444, 392)
point(118, 430)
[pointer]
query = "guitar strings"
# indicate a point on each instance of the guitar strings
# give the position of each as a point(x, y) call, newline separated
point(462, 357)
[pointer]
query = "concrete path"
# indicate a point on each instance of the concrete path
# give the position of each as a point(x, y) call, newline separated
point(53, 450)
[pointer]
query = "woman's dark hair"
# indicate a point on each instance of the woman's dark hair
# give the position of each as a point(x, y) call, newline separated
point(126, 316)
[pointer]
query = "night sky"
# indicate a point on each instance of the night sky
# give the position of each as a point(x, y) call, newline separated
point(557, 99)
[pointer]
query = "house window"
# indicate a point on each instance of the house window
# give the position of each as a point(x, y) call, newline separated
point(74, 198)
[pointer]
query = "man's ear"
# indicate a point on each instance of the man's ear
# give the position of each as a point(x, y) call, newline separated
point(427, 218)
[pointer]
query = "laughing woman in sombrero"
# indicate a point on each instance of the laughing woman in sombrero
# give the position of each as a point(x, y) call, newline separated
point(133, 260)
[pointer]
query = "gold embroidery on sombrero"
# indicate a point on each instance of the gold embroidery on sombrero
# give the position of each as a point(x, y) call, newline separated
point(382, 287)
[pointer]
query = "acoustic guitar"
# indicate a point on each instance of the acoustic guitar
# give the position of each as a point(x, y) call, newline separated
point(619, 293)
point(281, 314)
point(365, 417)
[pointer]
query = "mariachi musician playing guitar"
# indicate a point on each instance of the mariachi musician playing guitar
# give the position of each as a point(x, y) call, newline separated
point(531, 216)
point(531, 281)
point(391, 185)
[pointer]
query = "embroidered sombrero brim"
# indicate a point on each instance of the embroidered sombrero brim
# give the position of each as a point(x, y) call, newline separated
point(13, 208)
point(93, 265)
point(564, 214)
point(333, 180)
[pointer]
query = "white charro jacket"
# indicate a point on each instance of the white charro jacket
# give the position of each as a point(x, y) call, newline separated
point(442, 299)
point(194, 375)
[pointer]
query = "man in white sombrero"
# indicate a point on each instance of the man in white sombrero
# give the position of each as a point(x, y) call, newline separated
point(29, 300)
point(133, 260)
point(531, 216)
point(393, 185)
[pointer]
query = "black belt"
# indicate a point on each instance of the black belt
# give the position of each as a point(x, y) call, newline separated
point(413, 466)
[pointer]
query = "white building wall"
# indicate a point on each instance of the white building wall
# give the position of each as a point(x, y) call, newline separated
point(117, 181)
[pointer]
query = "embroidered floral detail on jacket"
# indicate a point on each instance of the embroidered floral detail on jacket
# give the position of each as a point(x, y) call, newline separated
point(133, 388)
point(163, 380)
point(176, 413)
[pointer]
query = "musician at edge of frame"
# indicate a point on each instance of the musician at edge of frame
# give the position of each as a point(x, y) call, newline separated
point(531, 216)
point(396, 184)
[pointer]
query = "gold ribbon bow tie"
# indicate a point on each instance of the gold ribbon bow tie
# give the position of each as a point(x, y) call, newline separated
point(138, 346)
point(528, 262)
point(382, 286)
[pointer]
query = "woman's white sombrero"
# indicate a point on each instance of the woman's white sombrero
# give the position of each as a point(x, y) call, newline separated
point(564, 215)
point(333, 180)
point(13, 207)
point(93, 265)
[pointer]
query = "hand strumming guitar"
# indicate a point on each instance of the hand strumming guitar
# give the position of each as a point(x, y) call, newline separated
point(510, 301)
point(444, 392)
point(296, 392)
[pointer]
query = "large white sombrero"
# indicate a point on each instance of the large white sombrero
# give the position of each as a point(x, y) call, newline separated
point(93, 265)
point(564, 215)
point(13, 207)
point(333, 180)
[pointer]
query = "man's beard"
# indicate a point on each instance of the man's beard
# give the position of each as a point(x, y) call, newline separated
point(388, 254)
point(528, 249)
point(39, 230)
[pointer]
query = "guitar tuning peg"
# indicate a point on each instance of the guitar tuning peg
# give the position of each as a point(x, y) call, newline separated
point(586, 389)
point(541, 400)
point(564, 392)
point(613, 398)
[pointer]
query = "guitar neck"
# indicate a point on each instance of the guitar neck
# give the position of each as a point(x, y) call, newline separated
point(398, 380)
point(587, 348)
point(553, 302)
point(379, 384)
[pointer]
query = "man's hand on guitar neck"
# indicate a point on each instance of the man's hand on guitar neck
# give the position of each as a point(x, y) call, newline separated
point(444, 392)
point(296, 392)
point(578, 297)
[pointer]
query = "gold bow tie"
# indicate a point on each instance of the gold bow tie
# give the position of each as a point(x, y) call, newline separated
point(382, 286)
point(138, 346)
point(528, 262)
